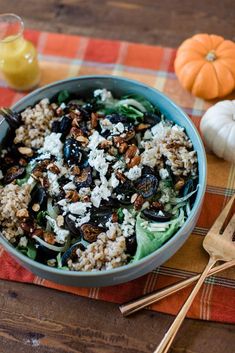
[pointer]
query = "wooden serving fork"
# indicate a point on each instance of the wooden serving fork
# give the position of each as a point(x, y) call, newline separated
point(219, 243)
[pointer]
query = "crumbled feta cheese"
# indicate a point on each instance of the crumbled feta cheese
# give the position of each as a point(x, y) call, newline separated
point(78, 208)
point(52, 145)
point(118, 129)
point(103, 93)
point(128, 224)
point(97, 160)
point(109, 158)
point(84, 192)
point(163, 173)
point(133, 173)
point(54, 188)
point(113, 230)
point(61, 234)
point(106, 124)
point(23, 242)
point(95, 140)
point(78, 221)
point(63, 105)
point(160, 213)
point(159, 130)
point(45, 155)
point(73, 218)
point(113, 181)
point(147, 135)
point(69, 186)
point(100, 192)
point(63, 170)
point(97, 182)
point(119, 165)
point(62, 203)
point(82, 220)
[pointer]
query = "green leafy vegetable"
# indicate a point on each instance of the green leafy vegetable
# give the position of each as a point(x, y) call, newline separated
point(30, 250)
point(59, 262)
point(63, 96)
point(131, 112)
point(149, 241)
point(139, 102)
point(24, 180)
point(177, 200)
point(41, 217)
point(120, 215)
point(134, 106)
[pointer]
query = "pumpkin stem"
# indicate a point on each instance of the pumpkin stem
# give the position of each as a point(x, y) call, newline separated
point(211, 56)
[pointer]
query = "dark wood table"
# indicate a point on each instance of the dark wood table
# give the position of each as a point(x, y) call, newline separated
point(40, 320)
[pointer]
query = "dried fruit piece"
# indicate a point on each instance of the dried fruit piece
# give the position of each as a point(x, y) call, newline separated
point(139, 201)
point(147, 185)
point(90, 232)
point(53, 168)
point(72, 196)
point(13, 173)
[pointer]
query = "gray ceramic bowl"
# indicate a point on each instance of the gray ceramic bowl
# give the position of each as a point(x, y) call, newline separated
point(119, 86)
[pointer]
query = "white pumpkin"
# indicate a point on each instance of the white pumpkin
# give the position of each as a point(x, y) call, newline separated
point(218, 129)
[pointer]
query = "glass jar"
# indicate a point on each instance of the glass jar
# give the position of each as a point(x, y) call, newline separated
point(18, 57)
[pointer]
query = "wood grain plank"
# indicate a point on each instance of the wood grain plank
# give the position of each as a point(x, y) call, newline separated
point(35, 319)
point(156, 22)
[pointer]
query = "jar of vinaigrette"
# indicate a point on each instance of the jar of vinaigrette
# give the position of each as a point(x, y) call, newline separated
point(18, 57)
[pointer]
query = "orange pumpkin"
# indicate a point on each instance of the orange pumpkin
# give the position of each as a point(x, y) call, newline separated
point(205, 65)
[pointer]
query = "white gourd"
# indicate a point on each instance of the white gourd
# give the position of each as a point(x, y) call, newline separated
point(218, 129)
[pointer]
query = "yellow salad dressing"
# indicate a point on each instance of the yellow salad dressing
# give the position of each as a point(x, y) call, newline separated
point(19, 63)
point(18, 57)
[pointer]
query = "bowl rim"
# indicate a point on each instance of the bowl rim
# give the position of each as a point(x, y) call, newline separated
point(200, 194)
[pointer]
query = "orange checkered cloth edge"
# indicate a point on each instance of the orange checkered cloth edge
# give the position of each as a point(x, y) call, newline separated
point(62, 56)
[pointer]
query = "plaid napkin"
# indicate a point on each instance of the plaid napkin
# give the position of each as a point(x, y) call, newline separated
point(62, 56)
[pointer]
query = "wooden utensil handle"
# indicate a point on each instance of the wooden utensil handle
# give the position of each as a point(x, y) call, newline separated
point(169, 336)
point(138, 304)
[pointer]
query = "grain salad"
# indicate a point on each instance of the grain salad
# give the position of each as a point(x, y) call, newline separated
point(94, 184)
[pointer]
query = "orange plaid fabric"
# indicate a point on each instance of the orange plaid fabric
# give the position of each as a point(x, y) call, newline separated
point(62, 56)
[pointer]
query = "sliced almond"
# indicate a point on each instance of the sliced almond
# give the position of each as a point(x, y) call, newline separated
point(26, 151)
point(36, 207)
point(60, 221)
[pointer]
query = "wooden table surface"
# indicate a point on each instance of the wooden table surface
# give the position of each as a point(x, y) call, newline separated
point(40, 320)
